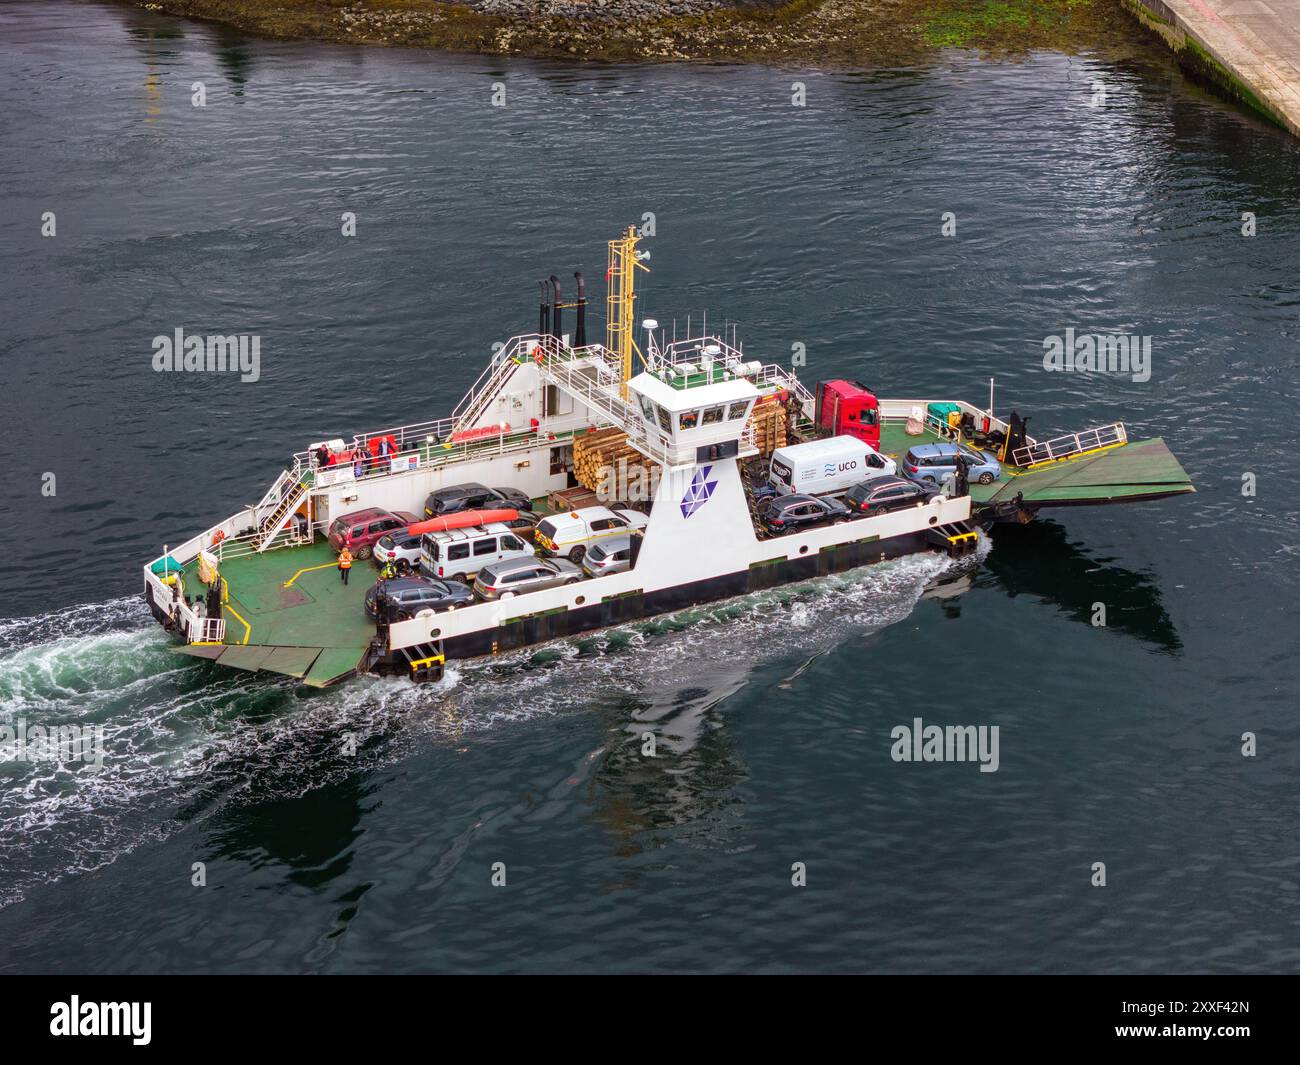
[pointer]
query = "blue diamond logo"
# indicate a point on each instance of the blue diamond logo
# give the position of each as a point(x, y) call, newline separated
point(699, 492)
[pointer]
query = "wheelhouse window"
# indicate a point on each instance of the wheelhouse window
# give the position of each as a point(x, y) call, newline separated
point(689, 419)
point(712, 415)
point(665, 420)
point(738, 409)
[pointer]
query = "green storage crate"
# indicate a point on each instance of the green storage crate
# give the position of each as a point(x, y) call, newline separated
point(940, 411)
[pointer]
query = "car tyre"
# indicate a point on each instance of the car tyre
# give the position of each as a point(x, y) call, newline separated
point(986, 478)
point(403, 567)
point(365, 552)
point(572, 580)
point(928, 480)
point(575, 556)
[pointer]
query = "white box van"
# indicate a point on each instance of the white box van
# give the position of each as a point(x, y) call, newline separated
point(458, 554)
point(822, 467)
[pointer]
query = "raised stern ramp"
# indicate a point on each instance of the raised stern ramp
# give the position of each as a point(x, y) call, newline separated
point(1139, 470)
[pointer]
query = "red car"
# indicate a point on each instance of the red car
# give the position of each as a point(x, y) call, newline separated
point(359, 530)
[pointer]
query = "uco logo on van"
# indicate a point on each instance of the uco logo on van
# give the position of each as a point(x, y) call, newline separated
point(103, 1018)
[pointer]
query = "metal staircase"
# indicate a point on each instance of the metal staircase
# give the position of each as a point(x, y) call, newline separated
point(282, 514)
point(590, 380)
point(487, 388)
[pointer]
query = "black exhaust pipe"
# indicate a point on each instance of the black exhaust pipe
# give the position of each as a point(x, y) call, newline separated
point(544, 325)
point(556, 329)
point(580, 330)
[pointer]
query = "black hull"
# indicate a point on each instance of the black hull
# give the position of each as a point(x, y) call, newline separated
point(619, 610)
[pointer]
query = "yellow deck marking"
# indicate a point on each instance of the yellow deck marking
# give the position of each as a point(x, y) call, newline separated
point(307, 569)
point(248, 629)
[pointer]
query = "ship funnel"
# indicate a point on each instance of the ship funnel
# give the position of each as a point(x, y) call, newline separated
point(580, 329)
point(556, 329)
point(544, 323)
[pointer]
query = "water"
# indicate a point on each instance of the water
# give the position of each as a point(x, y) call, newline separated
point(816, 226)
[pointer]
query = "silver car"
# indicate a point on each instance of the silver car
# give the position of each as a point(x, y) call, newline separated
point(608, 556)
point(524, 575)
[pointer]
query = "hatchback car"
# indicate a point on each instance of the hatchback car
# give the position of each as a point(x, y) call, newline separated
point(937, 462)
point(787, 513)
point(401, 549)
point(403, 598)
point(360, 530)
point(888, 493)
point(609, 556)
point(524, 575)
point(573, 532)
point(473, 496)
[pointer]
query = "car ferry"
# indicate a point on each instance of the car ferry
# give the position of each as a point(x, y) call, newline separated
point(665, 448)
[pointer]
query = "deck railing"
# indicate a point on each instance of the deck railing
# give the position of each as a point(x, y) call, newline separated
point(1071, 445)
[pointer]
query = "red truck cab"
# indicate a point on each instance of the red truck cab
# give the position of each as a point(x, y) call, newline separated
point(847, 408)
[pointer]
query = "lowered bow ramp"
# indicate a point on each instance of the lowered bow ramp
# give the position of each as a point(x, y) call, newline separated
point(1141, 469)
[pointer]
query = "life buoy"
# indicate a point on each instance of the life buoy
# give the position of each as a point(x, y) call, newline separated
point(220, 535)
point(537, 354)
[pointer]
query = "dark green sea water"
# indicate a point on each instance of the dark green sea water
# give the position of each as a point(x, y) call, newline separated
point(817, 226)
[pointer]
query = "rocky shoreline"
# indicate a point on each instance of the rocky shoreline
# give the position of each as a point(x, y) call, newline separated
point(811, 32)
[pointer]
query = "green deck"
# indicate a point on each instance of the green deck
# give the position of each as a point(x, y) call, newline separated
point(315, 629)
point(1141, 469)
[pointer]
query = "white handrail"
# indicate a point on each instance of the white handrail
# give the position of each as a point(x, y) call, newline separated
point(1071, 445)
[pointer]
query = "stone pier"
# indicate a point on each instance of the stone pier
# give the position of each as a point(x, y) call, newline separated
point(1250, 48)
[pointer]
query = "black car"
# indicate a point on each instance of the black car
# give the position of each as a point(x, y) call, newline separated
point(883, 494)
point(785, 513)
point(402, 598)
point(458, 497)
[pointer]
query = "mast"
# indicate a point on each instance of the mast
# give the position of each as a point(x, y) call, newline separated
point(620, 300)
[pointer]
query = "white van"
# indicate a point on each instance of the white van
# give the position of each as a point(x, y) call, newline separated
point(571, 533)
point(458, 554)
point(823, 467)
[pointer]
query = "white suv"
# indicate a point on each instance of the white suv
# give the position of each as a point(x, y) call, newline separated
point(571, 533)
point(458, 554)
